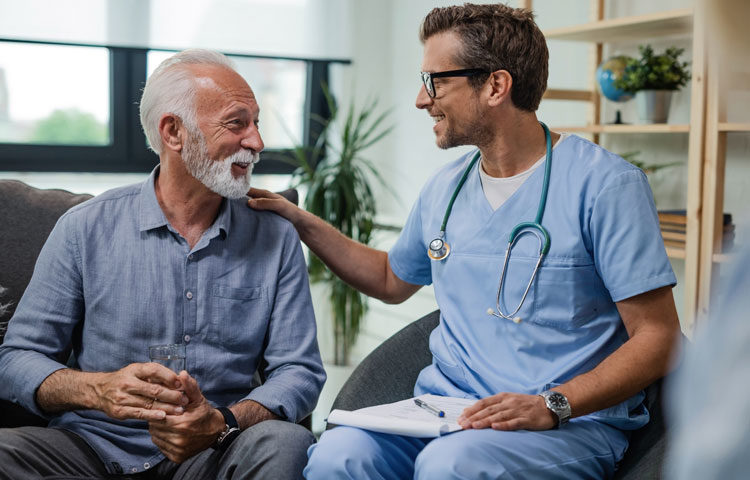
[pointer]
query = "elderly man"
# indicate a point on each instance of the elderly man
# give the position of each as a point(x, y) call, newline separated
point(176, 259)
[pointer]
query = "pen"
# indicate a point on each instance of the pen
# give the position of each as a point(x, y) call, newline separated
point(427, 406)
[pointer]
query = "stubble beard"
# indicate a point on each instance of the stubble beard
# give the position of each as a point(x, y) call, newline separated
point(475, 132)
point(216, 175)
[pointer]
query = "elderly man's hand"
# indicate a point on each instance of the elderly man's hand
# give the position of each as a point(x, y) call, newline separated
point(179, 437)
point(141, 391)
point(509, 411)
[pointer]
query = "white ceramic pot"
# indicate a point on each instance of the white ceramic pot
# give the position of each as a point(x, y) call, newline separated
point(653, 105)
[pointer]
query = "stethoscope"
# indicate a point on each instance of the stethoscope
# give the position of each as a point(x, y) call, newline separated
point(439, 249)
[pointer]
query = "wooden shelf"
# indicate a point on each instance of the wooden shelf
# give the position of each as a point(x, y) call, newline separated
point(652, 128)
point(673, 252)
point(577, 95)
point(663, 24)
point(734, 127)
point(723, 257)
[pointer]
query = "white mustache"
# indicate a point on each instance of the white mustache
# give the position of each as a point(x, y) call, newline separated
point(243, 156)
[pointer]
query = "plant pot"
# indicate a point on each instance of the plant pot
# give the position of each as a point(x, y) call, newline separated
point(653, 105)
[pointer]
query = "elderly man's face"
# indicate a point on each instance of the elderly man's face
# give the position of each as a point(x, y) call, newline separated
point(221, 154)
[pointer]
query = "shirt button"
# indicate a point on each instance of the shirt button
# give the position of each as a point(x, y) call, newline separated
point(190, 257)
point(189, 295)
point(134, 470)
point(186, 338)
point(146, 465)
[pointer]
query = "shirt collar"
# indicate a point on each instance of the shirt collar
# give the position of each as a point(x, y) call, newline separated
point(151, 215)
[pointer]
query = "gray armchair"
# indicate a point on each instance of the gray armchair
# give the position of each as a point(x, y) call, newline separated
point(389, 373)
point(27, 216)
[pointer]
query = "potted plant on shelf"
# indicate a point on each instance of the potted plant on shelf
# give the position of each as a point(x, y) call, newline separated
point(653, 78)
point(337, 179)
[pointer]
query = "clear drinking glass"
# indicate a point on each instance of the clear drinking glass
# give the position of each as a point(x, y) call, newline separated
point(171, 356)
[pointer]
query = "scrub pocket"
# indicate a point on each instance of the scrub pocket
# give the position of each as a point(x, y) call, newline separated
point(568, 296)
point(240, 316)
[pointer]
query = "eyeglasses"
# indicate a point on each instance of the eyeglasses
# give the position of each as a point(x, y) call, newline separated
point(427, 77)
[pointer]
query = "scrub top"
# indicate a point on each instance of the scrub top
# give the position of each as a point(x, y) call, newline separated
point(606, 246)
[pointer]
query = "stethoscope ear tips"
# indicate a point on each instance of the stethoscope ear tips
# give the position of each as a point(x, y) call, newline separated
point(516, 320)
point(490, 311)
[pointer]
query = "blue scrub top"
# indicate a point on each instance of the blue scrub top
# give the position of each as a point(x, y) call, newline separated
point(606, 246)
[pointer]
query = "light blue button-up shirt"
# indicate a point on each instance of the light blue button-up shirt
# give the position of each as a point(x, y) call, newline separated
point(114, 277)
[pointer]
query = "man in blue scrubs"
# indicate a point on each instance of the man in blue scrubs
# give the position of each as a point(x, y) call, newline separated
point(558, 391)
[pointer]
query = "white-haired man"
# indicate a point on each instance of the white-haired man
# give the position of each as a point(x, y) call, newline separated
point(176, 259)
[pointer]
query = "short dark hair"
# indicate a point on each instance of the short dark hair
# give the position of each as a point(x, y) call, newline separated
point(497, 37)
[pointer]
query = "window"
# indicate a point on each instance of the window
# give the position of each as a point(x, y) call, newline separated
point(44, 102)
point(74, 108)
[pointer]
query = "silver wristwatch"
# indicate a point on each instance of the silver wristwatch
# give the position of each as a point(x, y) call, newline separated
point(558, 404)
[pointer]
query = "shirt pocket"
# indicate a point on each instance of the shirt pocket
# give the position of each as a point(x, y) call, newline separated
point(240, 316)
point(568, 296)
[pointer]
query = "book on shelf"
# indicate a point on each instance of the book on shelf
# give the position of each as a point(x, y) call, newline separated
point(679, 217)
point(726, 245)
point(673, 227)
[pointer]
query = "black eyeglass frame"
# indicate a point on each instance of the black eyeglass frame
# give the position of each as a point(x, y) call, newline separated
point(427, 77)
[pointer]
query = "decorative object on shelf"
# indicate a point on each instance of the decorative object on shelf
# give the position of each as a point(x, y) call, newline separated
point(337, 179)
point(646, 167)
point(610, 70)
point(653, 78)
point(649, 169)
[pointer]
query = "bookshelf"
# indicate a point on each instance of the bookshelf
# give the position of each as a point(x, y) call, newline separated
point(728, 70)
point(639, 29)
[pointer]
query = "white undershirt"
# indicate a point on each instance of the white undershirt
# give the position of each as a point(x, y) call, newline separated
point(498, 190)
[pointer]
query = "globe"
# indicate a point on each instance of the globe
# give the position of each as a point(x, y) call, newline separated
point(606, 74)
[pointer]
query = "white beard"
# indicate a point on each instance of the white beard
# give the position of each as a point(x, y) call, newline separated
point(216, 175)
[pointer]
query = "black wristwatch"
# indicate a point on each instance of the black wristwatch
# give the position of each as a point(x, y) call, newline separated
point(231, 429)
point(558, 404)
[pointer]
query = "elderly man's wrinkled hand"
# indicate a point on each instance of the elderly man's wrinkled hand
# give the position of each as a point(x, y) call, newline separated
point(140, 391)
point(179, 437)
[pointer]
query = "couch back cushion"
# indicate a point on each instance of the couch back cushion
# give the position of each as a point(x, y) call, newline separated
point(27, 215)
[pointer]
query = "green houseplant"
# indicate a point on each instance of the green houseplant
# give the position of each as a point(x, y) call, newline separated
point(337, 178)
point(653, 78)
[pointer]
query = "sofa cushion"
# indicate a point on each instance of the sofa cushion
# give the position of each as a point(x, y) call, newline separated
point(27, 215)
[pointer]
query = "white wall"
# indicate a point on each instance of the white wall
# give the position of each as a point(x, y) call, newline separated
point(297, 28)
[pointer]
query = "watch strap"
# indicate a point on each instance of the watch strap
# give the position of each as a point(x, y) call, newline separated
point(229, 419)
point(231, 429)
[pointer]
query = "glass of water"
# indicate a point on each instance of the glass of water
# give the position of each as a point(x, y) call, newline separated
point(171, 356)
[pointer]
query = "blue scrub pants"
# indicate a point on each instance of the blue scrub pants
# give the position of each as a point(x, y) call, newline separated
point(583, 448)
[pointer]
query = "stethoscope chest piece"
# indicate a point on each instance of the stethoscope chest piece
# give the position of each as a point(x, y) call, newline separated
point(439, 249)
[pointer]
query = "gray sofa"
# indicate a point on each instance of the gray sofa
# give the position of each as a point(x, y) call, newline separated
point(27, 216)
point(388, 374)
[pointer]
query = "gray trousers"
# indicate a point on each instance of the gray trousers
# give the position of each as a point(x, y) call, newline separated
point(272, 449)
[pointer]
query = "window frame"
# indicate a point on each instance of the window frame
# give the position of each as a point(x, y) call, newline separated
point(127, 151)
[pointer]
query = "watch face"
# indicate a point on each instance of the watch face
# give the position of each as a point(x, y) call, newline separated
point(558, 400)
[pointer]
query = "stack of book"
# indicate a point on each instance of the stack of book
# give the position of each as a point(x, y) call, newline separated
point(673, 227)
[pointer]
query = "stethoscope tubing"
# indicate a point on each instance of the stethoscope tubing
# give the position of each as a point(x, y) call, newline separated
point(439, 248)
